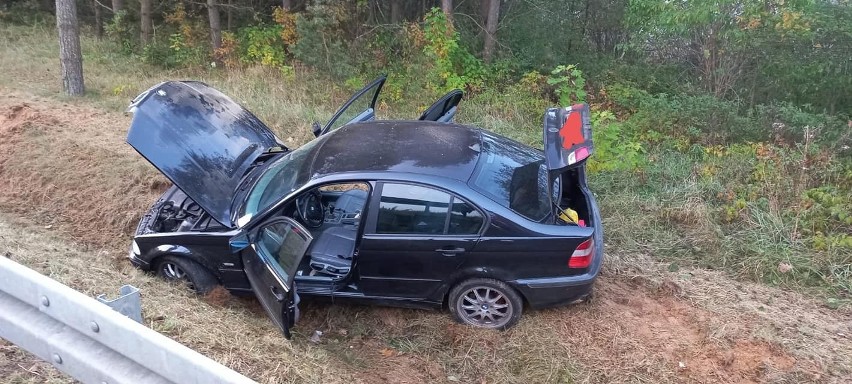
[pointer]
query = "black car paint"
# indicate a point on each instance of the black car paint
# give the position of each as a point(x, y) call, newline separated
point(502, 252)
point(438, 155)
point(204, 141)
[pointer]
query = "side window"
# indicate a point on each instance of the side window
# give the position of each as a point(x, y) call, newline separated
point(412, 209)
point(282, 246)
point(464, 219)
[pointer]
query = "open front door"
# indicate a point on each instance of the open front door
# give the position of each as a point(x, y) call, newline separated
point(445, 108)
point(567, 137)
point(360, 107)
point(270, 262)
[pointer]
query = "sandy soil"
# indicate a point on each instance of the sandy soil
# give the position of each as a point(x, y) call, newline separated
point(71, 191)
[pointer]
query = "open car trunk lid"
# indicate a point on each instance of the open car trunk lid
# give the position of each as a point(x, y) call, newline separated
point(567, 137)
point(200, 139)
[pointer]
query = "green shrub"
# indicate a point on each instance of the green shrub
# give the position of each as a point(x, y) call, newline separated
point(25, 13)
point(615, 148)
point(787, 122)
point(262, 44)
point(455, 66)
point(123, 31)
point(321, 44)
point(569, 84)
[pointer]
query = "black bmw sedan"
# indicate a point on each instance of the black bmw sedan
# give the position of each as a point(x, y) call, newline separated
point(423, 213)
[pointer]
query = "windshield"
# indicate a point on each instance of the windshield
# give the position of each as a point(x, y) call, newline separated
point(283, 176)
point(513, 175)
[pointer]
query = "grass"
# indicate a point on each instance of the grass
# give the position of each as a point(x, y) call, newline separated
point(73, 191)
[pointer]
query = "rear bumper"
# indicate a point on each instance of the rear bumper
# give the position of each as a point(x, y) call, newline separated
point(554, 291)
point(550, 292)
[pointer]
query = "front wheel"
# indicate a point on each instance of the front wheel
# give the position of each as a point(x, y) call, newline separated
point(181, 270)
point(485, 303)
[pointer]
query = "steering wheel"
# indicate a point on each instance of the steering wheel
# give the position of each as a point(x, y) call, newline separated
point(310, 209)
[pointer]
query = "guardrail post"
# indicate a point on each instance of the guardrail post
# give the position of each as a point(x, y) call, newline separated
point(128, 303)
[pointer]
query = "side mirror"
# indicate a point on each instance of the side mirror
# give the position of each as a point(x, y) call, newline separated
point(239, 242)
point(316, 128)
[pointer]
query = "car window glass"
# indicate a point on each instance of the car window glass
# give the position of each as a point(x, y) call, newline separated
point(464, 219)
point(514, 176)
point(408, 208)
point(282, 177)
point(281, 245)
point(361, 104)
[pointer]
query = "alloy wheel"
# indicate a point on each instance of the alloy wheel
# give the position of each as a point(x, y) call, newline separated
point(173, 272)
point(485, 307)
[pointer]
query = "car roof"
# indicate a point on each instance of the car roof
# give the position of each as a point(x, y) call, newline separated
point(420, 147)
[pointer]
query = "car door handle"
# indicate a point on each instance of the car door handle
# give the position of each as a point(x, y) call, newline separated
point(449, 251)
point(277, 293)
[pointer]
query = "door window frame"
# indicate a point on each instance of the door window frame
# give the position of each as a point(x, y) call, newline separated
point(270, 263)
point(377, 84)
point(375, 204)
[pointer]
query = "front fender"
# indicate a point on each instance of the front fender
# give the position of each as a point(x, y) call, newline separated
point(178, 250)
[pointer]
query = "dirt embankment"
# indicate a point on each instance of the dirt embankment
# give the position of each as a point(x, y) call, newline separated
point(65, 169)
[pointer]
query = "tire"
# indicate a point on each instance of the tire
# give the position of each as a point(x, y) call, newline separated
point(181, 270)
point(485, 303)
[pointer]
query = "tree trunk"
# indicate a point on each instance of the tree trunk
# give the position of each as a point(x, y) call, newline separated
point(230, 17)
point(491, 30)
point(287, 5)
point(147, 22)
point(117, 5)
point(447, 7)
point(99, 20)
point(396, 11)
point(70, 57)
point(215, 24)
point(483, 11)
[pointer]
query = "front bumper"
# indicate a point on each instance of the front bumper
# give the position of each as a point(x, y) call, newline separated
point(136, 261)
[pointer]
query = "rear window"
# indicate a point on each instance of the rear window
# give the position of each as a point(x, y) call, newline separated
point(514, 176)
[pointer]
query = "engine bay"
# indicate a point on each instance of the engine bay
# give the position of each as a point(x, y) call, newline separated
point(175, 212)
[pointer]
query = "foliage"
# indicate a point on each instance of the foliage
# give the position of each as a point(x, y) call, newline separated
point(570, 84)
point(456, 67)
point(827, 215)
point(120, 30)
point(184, 44)
point(263, 45)
point(321, 43)
point(26, 13)
point(616, 149)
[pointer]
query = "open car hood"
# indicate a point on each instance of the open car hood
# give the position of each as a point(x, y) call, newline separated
point(200, 139)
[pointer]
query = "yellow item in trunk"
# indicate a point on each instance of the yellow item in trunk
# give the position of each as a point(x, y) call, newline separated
point(569, 215)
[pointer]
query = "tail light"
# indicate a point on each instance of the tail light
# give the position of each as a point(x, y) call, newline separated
point(582, 256)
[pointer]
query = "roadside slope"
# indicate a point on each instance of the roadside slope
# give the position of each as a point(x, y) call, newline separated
point(73, 191)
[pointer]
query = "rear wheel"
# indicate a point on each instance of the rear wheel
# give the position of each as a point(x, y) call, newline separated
point(485, 303)
point(194, 275)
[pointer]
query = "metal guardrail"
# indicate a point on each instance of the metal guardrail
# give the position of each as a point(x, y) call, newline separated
point(91, 342)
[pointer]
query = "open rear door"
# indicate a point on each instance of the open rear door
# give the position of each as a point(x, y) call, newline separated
point(445, 108)
point(567, 137)
point(275, 251)
point(360, 107)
